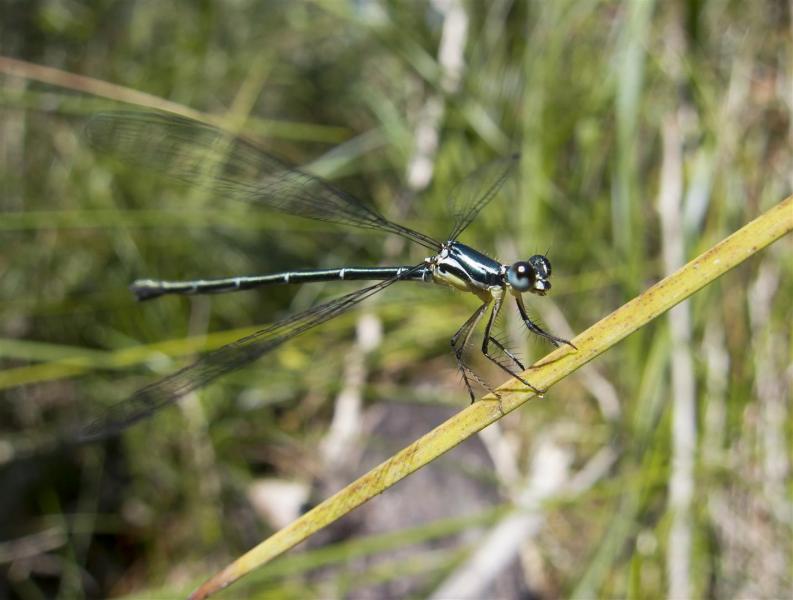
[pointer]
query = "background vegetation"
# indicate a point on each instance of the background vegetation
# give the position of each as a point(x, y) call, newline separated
point(648, 132)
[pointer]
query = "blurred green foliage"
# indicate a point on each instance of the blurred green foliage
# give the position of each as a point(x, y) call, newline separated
point(590, 92)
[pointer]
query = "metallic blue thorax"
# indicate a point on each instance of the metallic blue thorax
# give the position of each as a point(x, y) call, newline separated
point(463, 267)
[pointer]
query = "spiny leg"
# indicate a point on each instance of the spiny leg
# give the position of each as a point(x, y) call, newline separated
point(465, 369)
point(486, 347)
point(465, 333)
point(506, 351)
point(534, 328)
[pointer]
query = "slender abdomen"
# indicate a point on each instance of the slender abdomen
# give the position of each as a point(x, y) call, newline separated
point(146, 289)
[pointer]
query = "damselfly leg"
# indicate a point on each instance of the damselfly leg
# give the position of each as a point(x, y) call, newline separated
point(486, 347)
point(536, 329)
point(459, 342)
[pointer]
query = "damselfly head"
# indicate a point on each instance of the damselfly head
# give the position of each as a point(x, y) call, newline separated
point(531, 276)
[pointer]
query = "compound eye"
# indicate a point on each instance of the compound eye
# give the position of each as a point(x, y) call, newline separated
point(520, 276)
point(541, 265)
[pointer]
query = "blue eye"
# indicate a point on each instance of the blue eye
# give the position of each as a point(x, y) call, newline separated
point(520, 276)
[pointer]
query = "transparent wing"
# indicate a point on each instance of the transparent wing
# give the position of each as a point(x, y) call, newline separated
point(151, 398)
point(231, 167)
point(474, 192)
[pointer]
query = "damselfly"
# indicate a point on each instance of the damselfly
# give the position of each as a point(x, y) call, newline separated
point(237, 169)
